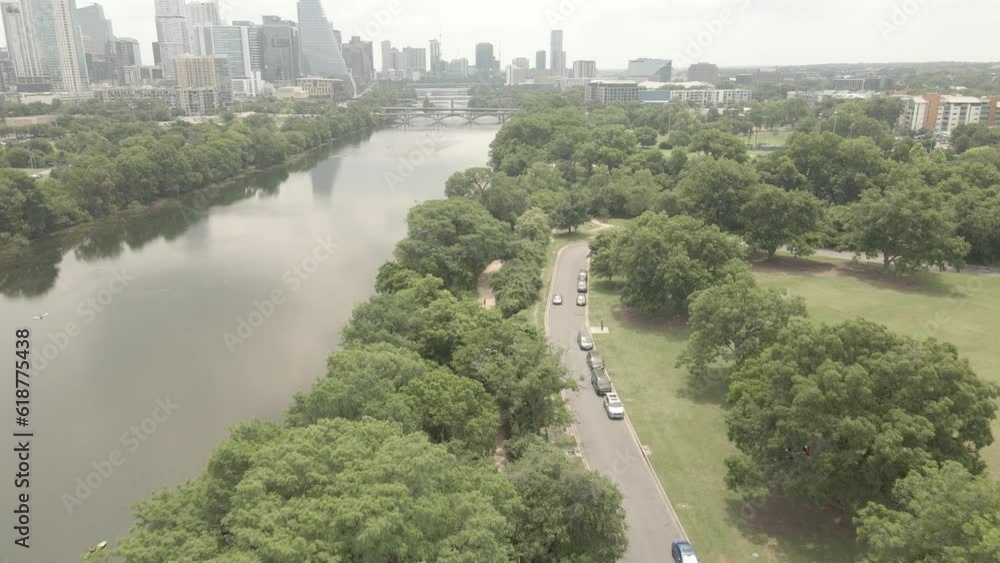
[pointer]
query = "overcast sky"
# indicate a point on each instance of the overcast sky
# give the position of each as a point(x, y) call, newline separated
point(726, 32)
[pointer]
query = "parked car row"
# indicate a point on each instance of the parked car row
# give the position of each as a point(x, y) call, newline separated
point(681, 550)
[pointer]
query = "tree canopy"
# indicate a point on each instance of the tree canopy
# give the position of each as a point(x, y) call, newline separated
point(839, 413)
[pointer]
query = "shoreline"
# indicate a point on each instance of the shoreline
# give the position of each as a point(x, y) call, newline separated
point(7, 253)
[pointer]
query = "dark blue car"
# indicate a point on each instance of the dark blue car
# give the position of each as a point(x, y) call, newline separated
point(683, 552)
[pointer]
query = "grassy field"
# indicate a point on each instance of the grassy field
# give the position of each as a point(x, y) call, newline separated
point(686, 433)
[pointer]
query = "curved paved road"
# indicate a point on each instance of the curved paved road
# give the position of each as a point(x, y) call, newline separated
point(609, 447)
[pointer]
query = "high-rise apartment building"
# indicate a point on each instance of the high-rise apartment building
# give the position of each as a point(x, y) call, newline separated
point(584, 69)
point(436, 62)
point(321, 54)
point(485, 62)
point(22, 44)
point(173, 34)
point(57, 35)
point(279, 50)
point(203, 12)
point(415, 58)
point(204, 83)
point(558, 65)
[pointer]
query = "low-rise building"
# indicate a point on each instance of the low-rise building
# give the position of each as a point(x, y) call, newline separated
point(703, 72)
point(320, 87)
point(712, 98)
point(163, 95)
point(849, 83)
point(603, 92)
point(943, 113)
point(817, 96)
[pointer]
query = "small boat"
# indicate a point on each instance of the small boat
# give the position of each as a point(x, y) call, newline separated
point(41, 316)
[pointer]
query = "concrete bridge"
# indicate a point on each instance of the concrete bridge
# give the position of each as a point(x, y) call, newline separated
point(409, 115)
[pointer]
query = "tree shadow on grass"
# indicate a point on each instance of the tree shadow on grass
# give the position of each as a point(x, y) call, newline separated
point(922, 282)
point(797, 532)
point(872, 274)
point(710, 387)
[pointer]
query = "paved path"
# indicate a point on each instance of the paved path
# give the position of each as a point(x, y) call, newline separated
point(609, 446)
point(975, 270)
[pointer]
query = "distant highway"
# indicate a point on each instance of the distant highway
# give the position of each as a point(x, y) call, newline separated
point(609, 446)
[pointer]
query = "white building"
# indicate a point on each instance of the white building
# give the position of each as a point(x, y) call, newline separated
point(584, 69)
point(712, 98)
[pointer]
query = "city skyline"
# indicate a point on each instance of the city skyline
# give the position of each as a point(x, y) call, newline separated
point(727, 32)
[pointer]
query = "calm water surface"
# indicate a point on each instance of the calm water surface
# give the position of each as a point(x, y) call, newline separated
point(142, 380)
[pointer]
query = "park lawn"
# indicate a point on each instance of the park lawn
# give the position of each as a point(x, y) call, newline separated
point(687, 435)
point(770, 138)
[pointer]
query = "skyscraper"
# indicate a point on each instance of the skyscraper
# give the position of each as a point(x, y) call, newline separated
point(321, 54)
point(436, 61)
point(98, 42)
point(415, 58)
point(172, 34)
point(556, 48)
point(279, 50)
point(540, 60)
point(229, 41)
point(484, 57)
point(50, 29)
point(253, 38)
point(98, 36)
point(360, 59)
point(203, 12)
point(29, 68)
point(386, 49)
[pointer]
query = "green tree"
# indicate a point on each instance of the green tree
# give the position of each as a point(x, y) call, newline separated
point(664, 260)
point(452, 239)
point(567, 513)
point(515, 363)
point(716, 190)
point(839, 413)
point(533, 225)
point(938, 514)
point(717, 144)
point(334, 491)
point(571, 210)
point(733, 322)
point(910, 226)
point(773, 218)
point(646, 136)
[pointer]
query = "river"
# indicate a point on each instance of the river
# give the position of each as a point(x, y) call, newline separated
point(167, 327)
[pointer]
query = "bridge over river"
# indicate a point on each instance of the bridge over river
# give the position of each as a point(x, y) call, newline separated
point(409, 115)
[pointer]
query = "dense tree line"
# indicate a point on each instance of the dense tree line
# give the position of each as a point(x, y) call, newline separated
point(389, 457)
point(102, 164)
point(841, 167)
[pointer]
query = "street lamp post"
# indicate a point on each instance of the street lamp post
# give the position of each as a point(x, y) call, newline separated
point(835, 115)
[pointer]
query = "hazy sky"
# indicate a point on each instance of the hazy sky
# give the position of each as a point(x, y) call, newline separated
point(726, 32)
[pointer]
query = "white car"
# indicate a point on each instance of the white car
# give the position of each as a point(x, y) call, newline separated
point(557, 300)
point(613, 406)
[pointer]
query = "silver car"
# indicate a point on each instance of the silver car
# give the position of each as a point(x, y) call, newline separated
point(581, 287)
point(581, 300)
point(613, 406)
point(557, 300)
point(585, 341)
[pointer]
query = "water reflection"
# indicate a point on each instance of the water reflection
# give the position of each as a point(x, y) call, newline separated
point(33, 272)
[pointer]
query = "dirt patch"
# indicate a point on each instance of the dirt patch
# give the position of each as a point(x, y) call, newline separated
point(486, 296)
